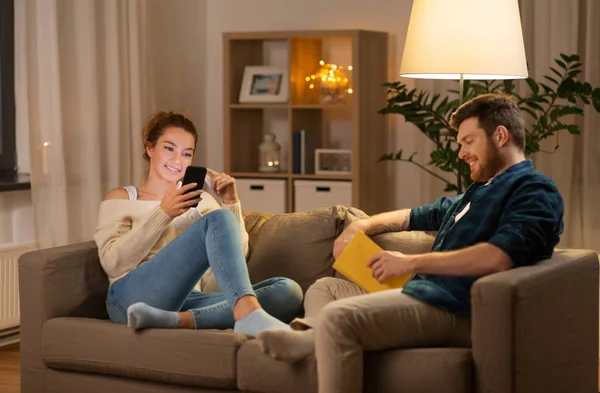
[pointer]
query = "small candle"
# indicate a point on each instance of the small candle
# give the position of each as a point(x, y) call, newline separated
point(45, 158)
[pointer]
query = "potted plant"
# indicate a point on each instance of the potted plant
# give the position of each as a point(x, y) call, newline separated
point(545, 105)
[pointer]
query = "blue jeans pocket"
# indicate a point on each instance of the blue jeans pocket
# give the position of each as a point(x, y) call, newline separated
point(116, 313)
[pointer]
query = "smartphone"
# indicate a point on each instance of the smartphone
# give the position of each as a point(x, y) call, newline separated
point(194, 174)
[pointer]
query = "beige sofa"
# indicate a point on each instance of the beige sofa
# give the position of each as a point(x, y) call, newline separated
point(535, 329)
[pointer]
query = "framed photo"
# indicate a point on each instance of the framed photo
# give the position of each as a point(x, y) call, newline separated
point(264, 84)
point(333, 162)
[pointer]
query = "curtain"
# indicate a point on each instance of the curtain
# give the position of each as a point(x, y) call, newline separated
point(83, 92)
point(551, 27)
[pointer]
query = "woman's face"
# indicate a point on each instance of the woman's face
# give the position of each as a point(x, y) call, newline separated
point(172, 154)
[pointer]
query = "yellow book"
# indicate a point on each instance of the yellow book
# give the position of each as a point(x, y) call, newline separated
point(352, 263)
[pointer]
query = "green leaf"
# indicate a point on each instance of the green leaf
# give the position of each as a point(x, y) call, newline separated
point(596, 93)
point(576, 66)
point(533, 85)
point(597, 105)
point(530, 112)
point(386, 157)
point(566, 58)
point(561, 64)
point(556, 72)
point(411, 156)
point(451, 187)
point(584, 99)
point(571, 110)
point(551, 79)
point(535, 105)
point(573, 129)
point(575, 57)
point(398, 155)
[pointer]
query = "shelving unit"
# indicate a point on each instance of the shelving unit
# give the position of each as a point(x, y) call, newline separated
point(354, 124)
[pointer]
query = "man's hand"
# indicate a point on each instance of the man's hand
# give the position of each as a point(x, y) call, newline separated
point(388, 264)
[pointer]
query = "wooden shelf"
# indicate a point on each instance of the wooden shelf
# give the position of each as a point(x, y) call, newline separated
point(355, 124)
point(292, 176)
point(293, 106)
point(261, 175)
point(322, 106)
point(258, 106)
point(320, 177)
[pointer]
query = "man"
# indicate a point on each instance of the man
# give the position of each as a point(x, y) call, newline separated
point(509, 217)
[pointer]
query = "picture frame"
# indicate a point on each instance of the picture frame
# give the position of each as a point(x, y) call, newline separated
point(333, 162)
point(264, 84)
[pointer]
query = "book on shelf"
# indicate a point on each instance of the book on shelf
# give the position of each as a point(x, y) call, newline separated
point(304, 144)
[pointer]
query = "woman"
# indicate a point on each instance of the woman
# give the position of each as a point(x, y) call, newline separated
point(155, 248)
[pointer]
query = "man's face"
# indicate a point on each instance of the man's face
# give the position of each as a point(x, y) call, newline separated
point(479, 151)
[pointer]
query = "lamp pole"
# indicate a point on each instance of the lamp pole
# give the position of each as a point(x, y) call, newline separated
point(459, 166)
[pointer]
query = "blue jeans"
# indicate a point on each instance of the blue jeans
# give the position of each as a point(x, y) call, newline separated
point(166, 281)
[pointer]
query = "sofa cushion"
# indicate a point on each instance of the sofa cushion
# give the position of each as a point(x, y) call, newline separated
point(295, 245)
point(186, 357)
point(426, 370)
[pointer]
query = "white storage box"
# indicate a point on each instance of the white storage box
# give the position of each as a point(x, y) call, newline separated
point(262, 195)
point(314, 194)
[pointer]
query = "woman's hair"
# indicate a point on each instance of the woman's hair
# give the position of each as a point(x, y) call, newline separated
point(159, 122)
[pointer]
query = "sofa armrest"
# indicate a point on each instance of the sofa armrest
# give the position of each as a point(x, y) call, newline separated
point(535, 328)
point(65, 281)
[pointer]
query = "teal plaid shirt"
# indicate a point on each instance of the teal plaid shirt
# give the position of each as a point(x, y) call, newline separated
point(520, 211)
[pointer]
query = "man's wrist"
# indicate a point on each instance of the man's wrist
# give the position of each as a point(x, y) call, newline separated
point(358, 226)
point(417, 262)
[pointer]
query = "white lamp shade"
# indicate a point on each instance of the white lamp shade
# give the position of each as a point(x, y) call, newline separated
point(481, 39)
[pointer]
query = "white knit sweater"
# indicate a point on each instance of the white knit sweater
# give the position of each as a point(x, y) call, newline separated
point(129, 232)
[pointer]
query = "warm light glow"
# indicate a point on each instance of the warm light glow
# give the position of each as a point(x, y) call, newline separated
point(350, 91)
point(46, 144)
point(334, 82)
point(448, 38)
point(349, 68)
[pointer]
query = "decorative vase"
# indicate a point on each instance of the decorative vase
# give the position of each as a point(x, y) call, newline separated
point(269, 152)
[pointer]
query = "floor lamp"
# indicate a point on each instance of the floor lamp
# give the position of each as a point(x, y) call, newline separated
point(464, 40)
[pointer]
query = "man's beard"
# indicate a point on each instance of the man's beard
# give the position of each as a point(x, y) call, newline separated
point(489, 165)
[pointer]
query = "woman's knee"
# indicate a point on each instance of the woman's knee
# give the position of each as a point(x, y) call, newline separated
point(288, 291)
point(283, 297)
point(220, 214)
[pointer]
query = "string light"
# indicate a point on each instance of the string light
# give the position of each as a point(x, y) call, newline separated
point(333, 81)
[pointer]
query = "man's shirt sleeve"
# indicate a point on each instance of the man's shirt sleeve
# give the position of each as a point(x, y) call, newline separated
point(430, 217)
point(530, 224)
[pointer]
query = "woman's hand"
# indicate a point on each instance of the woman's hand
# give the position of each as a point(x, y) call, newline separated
point(175, 203)
point(224, 186)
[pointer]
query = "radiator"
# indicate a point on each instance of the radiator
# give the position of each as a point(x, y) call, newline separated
point(9, 286)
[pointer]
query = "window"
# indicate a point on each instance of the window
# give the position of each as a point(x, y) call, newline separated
point(8, 155)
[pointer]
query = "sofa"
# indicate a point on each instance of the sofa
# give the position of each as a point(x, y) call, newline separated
point(534, 329)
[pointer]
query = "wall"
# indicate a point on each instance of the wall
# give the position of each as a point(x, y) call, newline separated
point(391, 17)
point(177, 59)
point(177, 41)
